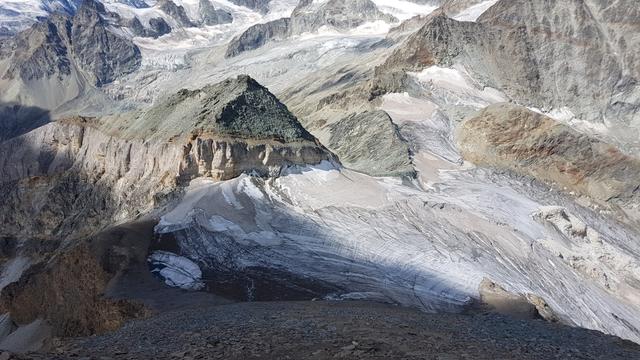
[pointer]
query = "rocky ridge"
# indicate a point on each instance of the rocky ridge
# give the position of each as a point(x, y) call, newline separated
point(177, 12)
point(309, 16)
point(261, 6)
point(62, 45)
point(157, 27)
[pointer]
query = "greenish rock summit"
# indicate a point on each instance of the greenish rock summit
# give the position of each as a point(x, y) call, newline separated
point(371, 143)
point(237, 107)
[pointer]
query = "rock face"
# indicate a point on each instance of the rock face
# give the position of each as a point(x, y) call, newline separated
point(157, 27)
point(526, 50)
point(98, 51)
point(213, 16)
point(518, 139)
point(177, 12)
point(61, 45)
point(40, 51)
point(380, 152)
point(258, 35)
point(309, 16)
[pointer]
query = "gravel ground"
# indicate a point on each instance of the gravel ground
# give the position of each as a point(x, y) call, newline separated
point(340, 330)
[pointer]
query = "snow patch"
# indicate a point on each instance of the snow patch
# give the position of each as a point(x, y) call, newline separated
point(473, 12)
point(13, 270)
point(458, 88)
point(403, 10)
point(177, 271)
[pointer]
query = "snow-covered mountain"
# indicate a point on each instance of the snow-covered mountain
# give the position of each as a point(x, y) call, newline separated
point(17, 15)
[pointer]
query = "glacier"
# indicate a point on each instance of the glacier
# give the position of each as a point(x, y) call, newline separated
point(329, 231)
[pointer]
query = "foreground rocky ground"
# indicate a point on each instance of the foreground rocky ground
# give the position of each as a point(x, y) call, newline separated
point(343, 330)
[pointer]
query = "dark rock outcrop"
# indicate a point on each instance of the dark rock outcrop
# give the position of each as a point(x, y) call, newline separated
point(136, 27)
point(212, 16)
point(258, 35)
point(40, 51)
point(237, 107)
point(177, 12)
point(371, 143)
point(98, 51)
point(157, 27)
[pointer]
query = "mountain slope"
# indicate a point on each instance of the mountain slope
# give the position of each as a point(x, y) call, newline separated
point(17, 15)
point(63, 50)
point(527, 51)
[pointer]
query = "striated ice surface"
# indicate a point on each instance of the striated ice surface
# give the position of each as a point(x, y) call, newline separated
point(425, 248)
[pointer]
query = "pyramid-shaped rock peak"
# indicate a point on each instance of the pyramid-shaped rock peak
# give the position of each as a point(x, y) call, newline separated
point(236, 107)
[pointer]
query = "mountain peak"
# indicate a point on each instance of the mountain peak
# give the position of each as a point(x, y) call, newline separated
point(237, 107)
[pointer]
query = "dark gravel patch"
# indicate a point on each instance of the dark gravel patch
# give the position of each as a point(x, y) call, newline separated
point(341, 330)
